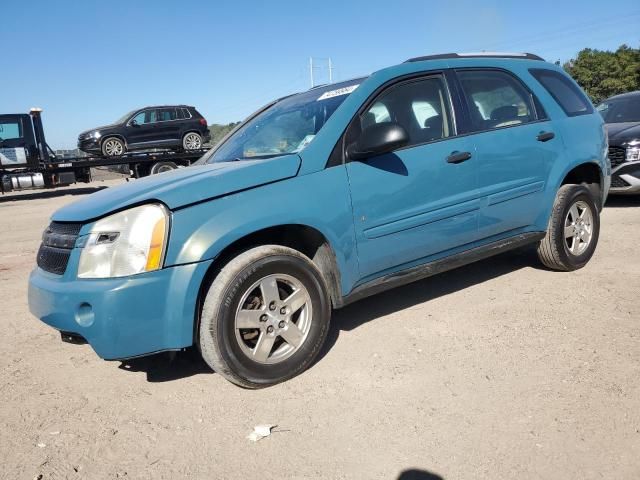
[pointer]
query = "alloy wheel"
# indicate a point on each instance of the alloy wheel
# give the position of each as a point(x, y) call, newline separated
point(273, 319)
point(192, 141)
point(578, 228)
point(113, 147)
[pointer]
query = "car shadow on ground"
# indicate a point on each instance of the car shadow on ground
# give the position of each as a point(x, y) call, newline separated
point(43, 194)
point(168, 366)
point(171, 366)
point(623, 201)
point(415, 474)
point(382, 304)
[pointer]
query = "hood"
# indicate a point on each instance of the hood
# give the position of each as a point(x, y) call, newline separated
point(621, 133)
point(182, 187)
point(104, 127)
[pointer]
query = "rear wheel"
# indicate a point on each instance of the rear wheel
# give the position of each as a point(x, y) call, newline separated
point(573, 231)
point(161, 167)
point(265, 317)
point(192, 141)
point(113, 147)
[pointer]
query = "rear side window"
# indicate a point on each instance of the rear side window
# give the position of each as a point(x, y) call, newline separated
point(186, 113)
point(179, 114)
point(570, 98)
point(495, 99)
point(166, 114)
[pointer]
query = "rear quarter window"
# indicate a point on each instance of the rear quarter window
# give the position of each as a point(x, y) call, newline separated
point(570, 98)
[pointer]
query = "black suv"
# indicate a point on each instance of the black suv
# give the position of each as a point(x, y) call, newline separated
point(177, 127)
point(622, 118)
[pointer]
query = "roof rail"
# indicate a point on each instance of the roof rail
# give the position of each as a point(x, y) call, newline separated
point(443, 56)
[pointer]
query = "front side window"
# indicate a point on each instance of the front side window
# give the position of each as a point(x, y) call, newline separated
point(146, 116)
point(495, 99)
point(10, 130)
point(620, 110)
point(421, 107)
point(570, 98)
point(287, 126)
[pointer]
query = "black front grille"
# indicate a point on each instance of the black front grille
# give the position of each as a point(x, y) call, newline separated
point(617, 156)
point(617, 182)
point(57, 242)
point(65, 228)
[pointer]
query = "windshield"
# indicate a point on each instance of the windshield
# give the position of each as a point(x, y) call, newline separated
point(620, 110)
point(125, 117)
point(287, 126)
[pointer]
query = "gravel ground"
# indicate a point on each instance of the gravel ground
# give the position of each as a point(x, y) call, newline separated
point(498, 370)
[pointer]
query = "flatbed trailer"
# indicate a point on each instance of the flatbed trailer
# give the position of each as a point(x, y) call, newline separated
point(26, 161)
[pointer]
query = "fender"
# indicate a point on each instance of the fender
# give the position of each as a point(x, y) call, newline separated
point(321, 201)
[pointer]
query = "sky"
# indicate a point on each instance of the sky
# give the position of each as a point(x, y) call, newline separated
point(87, 63)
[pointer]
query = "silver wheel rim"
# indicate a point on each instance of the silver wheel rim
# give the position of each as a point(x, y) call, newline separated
point(578, 228)
point(113, 147)
point(192, 141)
point(164, 168)
point(273, 319)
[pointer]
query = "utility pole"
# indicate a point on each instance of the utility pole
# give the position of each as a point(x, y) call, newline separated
point(330, 71)
point(311, 70)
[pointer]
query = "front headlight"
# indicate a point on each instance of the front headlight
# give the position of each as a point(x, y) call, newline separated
point(125, 243)
point(633, 154)
point(97, 135)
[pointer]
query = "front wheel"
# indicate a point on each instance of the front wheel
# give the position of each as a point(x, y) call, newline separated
point(113, 147)
point(573, 230)
point(192, 141)
point(265, 317)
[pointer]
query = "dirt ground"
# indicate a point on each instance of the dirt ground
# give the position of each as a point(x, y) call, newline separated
point(498, 370)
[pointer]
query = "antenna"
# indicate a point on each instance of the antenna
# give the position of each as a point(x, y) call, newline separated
point(312, 68)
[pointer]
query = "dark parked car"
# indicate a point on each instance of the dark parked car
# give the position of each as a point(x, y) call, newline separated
point(175, 127)
point(622, 118)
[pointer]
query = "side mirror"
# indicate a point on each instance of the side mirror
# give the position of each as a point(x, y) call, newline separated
point(378, 139)
point(133, 123)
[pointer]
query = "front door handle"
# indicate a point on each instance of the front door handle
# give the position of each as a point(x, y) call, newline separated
point(458, 157)
point(545, 136)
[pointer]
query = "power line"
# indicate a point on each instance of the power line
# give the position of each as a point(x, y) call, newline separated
point(553, 35)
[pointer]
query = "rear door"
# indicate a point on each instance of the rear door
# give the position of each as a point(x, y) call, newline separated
point(169, 126)
point(516, 148)
point(413, 203)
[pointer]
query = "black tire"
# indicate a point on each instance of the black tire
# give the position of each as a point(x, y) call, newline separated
point(161, 167)
point(107, 149)
point(192, 141)
point(218, 341)
point(553, 250)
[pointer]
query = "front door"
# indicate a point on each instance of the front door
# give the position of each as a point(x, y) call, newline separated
point(417, 201)
point(142, 128)
point(516, 149)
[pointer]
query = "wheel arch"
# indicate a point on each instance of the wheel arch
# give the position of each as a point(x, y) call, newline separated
point(119, 136)
point(303, 238)
point(588, 174)
point(190, 130)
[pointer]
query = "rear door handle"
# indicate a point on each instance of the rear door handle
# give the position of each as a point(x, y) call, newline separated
point(545, 136)
point(458, 157)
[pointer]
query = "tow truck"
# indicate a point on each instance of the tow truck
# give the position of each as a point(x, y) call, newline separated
point(26, 161)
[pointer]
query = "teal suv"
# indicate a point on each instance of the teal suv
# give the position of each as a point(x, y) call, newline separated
point(325, 197)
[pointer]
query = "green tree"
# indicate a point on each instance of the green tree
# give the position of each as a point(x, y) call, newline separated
point(604, 73)
point(218, 131)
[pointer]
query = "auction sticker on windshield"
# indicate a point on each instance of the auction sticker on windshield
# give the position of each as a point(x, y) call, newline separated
point(338, 92)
